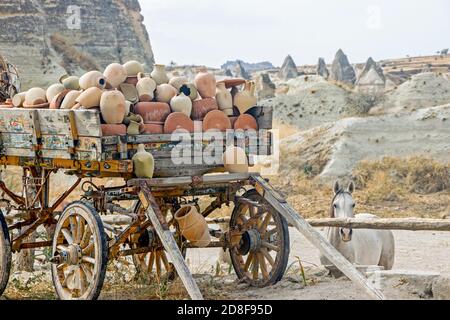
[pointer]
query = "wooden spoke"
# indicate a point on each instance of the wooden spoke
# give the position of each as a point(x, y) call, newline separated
point(151, 262)
point(86, 237)
point(80, 230)
point(249, 260)
point(268, 257)
point(88, 260)
point(263, 265)
point(67, 235)
point(73, 227)
point(270, 246)
point(255, 269)
point(62, 248)
point(87, 271)
point(265, 223)
point(270, 233)
point(61, 266)
point(88, 250)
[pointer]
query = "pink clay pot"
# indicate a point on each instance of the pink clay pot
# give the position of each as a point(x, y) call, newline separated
point(200, 108)
point(114, 130)
point(216, 120)
point(246, 122)
point(152, 111)
point(178, 121)
point(153, 128)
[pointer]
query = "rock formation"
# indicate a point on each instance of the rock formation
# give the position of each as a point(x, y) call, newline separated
point(371, 79)
point(265, 88)
point(342, 70)
point(322, 69)
point(47, 38)
point(249, 67)
point(240, 71)
point(288, 69)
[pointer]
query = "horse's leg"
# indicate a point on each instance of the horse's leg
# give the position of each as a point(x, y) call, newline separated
point(387, 258)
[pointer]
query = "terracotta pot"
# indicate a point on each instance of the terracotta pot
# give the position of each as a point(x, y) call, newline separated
point(177, 82)
point(132, 80)
point(113, 107)
point(230, 83)
point(35, 96)
point(178, 121)
point(193, 226)
point(152, 128)
point(92, 79)
point(165, 92)
point(54, 90)
point(201, 107)
point(44, 105)
point(224, 99)
point(152, 111)
point(113, 130)
point(143, 163)
point(58, 99)
point(134, 128)
point(90, 98)
point(159, 74)
point(246, 122)
point(233, 120)
point(133, 68)
point(189, 90)
point(182, 104)
point(246, 99)
point(205, 83)
point(70, 82)
point(235, 160)
point(115, 74)
point(216, 120)
point(198, 126)
point(130, 92)
point(146, 87)
point(19, 99)
point(70, 99)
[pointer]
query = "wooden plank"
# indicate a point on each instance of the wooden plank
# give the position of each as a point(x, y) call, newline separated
point(181, 181)
point(16, 121)
point(335, 257)
point(88, 123)
point(169, 243)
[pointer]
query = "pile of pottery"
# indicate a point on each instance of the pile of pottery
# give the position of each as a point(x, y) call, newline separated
point(132, 102)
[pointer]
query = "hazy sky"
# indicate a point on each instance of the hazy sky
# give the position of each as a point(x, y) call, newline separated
point(210, 32)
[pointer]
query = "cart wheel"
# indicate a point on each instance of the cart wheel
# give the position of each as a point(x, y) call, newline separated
point(155, 264)
point(80, 253)
point(5, 254)
point(261, 257)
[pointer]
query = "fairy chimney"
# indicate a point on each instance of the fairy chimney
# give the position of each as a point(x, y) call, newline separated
point(371, 79)
point(265, 88)
point(288, 69)
point(342, 70)
point(240, 71)
point(322, 69)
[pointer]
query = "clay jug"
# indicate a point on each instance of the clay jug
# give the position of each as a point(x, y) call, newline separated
point(146, 87)
point(92, 79)
point(58, 99)
point(182, 104)
point(193, 226)
point(113, 107)
point(159, 74)
point(35, 96)
point(165, 93)
point(246, 122)
point(152, 111)
point(200, 108)
point(205, 83)
point(144, 163)
point(245, 100)
point(90, 98)
point(54, 90)
point(18, 100)
point(177, 82)
point(216, 120)
point(224, 99)
point(70, 99)
point(115, 74)
point(133, 68)
point(70, 82)
point(235, 160)
point(189, 90)
point(178, 121)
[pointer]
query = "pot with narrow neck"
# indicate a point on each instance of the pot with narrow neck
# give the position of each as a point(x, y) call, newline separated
point(146, 87)
point(246, 99)
point(193, 226)
point(181, 103)
point(224, 99)
point(159, 74)
point(205, 83)
point(143, 163)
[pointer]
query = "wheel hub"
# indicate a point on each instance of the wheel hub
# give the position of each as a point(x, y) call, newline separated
point(73, 256)
point(250, 242)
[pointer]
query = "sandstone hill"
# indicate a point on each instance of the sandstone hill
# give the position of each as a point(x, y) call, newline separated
point(43, 39)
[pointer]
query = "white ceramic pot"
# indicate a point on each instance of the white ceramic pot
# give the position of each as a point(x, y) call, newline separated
point(115, 74)
point(159, 74)
point(182, 104)
point(146, 87)
point(113, 107)
point(92, 79)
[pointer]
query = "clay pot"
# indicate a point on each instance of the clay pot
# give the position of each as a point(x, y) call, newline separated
point(144, 163)
point(92, 79)
point(235, 160)
point(115, 74)
point(224, 99)
point(133, 117)
point(198, 126)
point(193, 226)
point(113, 107)
point(205, 83)
point(146, 88)
point(165, 92)
point(19, 99)
point(246, 99)
point(201, 107)
point(182, 104)
point(133, 68)
point(153, 128)
point(113, 130)
point(216, 120)
point(134, 128)
point(132, 80)
point(159, 74)
point(70, 99)
point(35, 96)
point(58, 99)
point(44, 105)
point(130, 92)
point(189, 90)
point(70, 82)
point(246, 122)
point(230, 83)
point(178, 121)
point(54, 90)
point(90, 98)
point(177, 82)
point(128, 105)
point(152, 111)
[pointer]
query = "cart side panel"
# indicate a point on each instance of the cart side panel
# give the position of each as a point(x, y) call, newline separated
point(18, 132)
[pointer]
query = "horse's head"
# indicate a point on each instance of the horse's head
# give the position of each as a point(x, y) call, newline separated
point(342, 207)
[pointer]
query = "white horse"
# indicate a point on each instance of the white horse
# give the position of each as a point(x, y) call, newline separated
point(359, 246)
